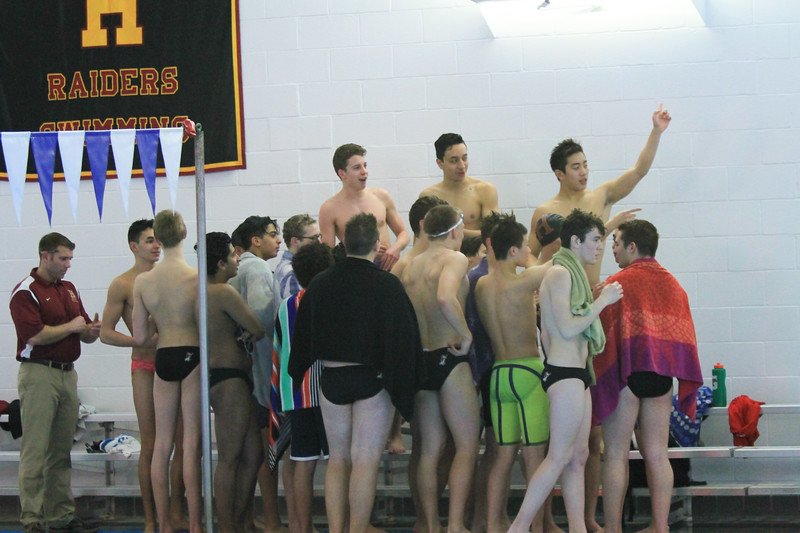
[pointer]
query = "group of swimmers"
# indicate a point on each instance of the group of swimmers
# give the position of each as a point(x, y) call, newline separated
point(319, 379)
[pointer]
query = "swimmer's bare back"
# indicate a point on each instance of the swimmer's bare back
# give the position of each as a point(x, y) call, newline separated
point(169, 294)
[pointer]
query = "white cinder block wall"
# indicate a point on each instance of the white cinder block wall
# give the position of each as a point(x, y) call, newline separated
point(394, 74)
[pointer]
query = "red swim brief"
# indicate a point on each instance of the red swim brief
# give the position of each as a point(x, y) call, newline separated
point(143, 364)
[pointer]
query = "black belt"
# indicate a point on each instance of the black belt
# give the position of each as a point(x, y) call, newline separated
point(52, 364)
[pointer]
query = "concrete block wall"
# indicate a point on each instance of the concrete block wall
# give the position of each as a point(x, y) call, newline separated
point(392, 75)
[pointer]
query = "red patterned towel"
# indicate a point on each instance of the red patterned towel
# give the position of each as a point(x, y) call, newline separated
point(649, 330)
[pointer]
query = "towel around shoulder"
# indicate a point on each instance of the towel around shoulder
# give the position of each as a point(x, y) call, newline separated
point(580, 303)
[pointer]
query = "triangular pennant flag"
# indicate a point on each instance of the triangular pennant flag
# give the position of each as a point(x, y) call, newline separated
point(70, 145)
point(122, 143)
point(147, 141)
point(171, 143)
point(44, 155)
point(15, 153)
point(97, 149)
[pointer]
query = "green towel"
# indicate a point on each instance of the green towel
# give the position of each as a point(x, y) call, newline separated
point(580, 303)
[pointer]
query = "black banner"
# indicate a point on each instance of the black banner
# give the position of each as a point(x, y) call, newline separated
point(114, 64)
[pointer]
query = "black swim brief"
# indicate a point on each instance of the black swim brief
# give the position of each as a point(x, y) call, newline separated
point(438, 364)
point(553, 374)
point(216, 375)
point(486, 397)
point(343, 385)
point(649, 384)
point(176, 362)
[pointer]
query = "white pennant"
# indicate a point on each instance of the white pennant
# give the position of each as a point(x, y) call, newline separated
point(15, 153)
point(70, 144)
point(171, 141)
point(122, 142)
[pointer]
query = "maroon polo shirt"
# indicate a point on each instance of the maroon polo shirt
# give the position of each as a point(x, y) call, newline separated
point(36, 303)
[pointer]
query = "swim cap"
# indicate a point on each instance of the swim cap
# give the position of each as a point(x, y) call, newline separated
point(548, 228)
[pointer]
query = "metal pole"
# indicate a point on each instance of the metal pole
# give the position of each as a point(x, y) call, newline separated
point(202, 322)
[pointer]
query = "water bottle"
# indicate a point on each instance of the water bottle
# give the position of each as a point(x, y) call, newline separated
point(719, 395)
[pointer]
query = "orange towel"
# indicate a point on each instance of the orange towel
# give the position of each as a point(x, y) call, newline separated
point(649, 330)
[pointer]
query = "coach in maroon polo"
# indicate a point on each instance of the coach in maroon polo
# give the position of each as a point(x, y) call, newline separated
point(51, 324)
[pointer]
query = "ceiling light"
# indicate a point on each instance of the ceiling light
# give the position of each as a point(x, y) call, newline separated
point(509, 18)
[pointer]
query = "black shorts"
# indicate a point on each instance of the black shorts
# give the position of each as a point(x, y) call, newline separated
point(176, 362)
point(649, 384)
point(486, 397)
point(262, 416)
point(308, 435)
point(342, 385)
point(438, 364)
point(220, 374)
point(553, 374)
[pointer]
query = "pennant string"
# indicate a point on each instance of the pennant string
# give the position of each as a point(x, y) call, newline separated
point(97, 144)
point(16, 145)
point(15, 152)
point(122, 143)
point(44, 155)
point(147, 141)
point(70, 146)
point(171, 141)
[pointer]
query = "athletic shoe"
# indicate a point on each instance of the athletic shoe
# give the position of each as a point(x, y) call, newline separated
point(76, 525)
point(35, 527)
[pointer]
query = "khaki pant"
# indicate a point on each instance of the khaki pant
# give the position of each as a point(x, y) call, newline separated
point(49, 408)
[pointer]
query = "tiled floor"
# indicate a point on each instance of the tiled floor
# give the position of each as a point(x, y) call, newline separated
point(747, 527)
point(733, 523)
point(710, 515)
